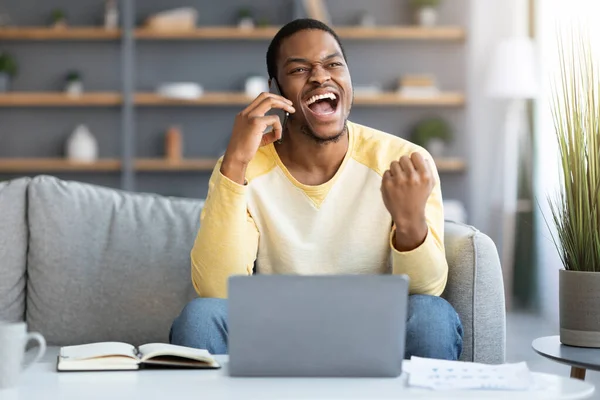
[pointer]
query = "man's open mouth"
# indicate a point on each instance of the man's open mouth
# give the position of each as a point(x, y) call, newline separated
point(323, 104)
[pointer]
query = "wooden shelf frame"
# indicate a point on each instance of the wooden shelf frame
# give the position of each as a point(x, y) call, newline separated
point(57, 165)
point(69, 33)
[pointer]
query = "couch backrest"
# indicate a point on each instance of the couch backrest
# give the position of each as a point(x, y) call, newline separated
point(13, 249)
point(105, 264)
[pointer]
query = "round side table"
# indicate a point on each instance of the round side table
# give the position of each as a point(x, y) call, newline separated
point(579, 358)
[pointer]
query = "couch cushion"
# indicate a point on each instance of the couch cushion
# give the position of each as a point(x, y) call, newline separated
point(105, 264)
point(13, 249)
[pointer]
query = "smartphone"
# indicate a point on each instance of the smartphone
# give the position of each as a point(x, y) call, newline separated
point(282, 114)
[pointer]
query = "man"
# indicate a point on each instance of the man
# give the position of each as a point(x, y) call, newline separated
point(319, 195)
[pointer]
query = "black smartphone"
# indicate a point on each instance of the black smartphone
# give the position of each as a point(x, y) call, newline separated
point(282, 114)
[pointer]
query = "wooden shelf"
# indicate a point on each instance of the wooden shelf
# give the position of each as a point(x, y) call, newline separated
point(235, 99)
point(19, 165)
point(212, 32)
point(395, 99)
point(450, 164)
point(344, 32)
point(159, 164)
point(23, 165)
point(408, 32)
point(71, 33)
point(35, 99)
point(100, 99)
point(401, 33)
point(207, 99)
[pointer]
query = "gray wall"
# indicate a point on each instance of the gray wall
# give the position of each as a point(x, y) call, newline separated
point(217, 65)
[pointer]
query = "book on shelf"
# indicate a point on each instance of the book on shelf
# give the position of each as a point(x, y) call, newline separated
point(115, 356)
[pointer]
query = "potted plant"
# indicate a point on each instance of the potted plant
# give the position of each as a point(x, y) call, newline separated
point(575, 209)
point(59, 18)
point(245, 18)
point(432, 134)
point(8, 69)
point(74, 84)
point(426, 12)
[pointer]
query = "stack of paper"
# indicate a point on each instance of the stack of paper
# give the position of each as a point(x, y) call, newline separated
point(447, 375)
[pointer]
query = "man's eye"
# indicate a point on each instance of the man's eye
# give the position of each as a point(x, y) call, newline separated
point(335, 64)
point(301, 69)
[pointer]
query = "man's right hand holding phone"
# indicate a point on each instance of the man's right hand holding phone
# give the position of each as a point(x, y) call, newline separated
point(248, 134)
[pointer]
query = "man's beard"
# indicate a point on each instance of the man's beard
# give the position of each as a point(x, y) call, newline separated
point(306, 130)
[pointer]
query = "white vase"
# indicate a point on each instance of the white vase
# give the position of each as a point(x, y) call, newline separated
point(246, 23)
point(111, 15)
point(74, 88)
point(427, 16)
point(436, 147)
point(255, 85)
point(82, 145)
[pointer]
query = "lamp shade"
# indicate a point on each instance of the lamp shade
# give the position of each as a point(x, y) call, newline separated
point(512, 73)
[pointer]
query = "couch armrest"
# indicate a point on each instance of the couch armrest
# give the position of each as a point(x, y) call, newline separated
point(476, 290)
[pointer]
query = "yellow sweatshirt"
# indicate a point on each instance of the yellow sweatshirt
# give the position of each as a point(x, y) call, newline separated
point(339, 227)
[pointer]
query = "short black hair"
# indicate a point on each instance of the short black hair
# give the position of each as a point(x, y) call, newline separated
point(288, 30)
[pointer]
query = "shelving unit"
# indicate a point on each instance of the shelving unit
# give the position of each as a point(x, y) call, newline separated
point(132, 153)
point(70, 33)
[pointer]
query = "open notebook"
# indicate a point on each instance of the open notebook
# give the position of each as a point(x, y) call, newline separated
point(106, 356)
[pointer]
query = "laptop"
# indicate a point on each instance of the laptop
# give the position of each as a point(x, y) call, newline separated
point(317, 326)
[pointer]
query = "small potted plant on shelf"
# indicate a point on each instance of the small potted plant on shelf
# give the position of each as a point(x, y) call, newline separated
point(74, 83)
point(8, 69)
point(433, 134)
point(245, 18)
point(59, 18)
point(576, 207)
point(426, 13)
point(263, 22)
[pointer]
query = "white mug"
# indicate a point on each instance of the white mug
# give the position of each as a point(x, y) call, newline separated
point(13, 341)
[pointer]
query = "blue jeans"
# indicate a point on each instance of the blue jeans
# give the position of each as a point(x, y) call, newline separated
point(433, 328)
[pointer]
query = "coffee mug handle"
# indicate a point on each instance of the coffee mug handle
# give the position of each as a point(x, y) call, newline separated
point(41, 348)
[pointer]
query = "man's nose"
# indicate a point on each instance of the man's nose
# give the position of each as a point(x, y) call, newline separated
point(320, 75)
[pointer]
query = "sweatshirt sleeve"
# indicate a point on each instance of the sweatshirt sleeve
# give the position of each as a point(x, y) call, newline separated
point(227, 240)
point(426, 266)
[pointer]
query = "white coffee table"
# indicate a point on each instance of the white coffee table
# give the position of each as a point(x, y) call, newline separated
point(42, 382)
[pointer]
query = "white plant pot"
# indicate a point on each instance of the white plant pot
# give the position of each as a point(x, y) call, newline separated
point(74, 88)
point(4, 82)
point(427, 16)
point(246, 23)
point(82, 145)
point(436, 147)
point(255, 85)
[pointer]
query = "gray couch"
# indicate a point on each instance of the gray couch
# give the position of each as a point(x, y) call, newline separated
point(81, 263)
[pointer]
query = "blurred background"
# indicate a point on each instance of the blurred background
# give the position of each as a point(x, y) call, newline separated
point(140, 95)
